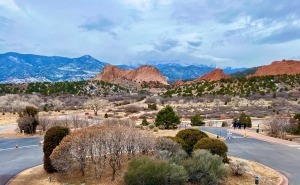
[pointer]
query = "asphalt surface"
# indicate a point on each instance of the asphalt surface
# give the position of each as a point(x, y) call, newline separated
point(14, 160)
point(284, 159)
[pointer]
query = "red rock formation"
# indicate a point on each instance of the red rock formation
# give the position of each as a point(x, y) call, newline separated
point(290, 67)
point(144, 73)
point(214, 75)
point(111, 72)
point(178, 83)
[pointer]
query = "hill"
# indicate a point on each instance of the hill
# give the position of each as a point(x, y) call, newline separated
point(144, 76)
point(24, 68)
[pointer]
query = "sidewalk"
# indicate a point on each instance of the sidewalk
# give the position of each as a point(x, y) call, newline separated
point(258, 136)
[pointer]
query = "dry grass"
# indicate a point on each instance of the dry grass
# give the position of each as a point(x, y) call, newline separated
point(38, 176)
point(248, 179)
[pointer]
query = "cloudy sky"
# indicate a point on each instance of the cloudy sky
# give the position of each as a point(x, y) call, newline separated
point(237, 33)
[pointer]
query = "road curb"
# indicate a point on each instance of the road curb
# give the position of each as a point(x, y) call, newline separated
point(14, 177)
point(283, 179)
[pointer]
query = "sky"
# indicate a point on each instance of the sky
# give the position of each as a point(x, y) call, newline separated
point(236, 33)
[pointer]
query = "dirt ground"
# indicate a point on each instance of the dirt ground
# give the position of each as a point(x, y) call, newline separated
point(267, 175)
point(38, 176)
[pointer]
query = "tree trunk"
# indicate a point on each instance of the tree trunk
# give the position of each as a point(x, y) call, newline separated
point(82, 171)
point(113, 175)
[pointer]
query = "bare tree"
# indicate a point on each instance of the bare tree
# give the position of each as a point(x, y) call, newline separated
point(45, 122)
point(279, 124)
point(95, 104)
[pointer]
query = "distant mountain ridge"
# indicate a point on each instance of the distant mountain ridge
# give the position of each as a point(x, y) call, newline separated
point(25, 68)
point(175, 71)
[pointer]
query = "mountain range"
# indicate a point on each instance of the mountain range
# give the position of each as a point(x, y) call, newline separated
point(25, 68)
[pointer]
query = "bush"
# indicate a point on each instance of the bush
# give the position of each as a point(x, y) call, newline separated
point(105, 115)
point(155, 129)
point(239, 167)
point(205, 168)
point(178, 140)
point(132, 108)
point(163, 143)
point(28, 120)
point(224, 124)
point(152, 106)
point(145, 122)
point(52, 139)
point(151, 126)
point(197, 120)
point(147, 171)
point(161, 127)
point(167, 117)
point(215, 146)
point(191, 137)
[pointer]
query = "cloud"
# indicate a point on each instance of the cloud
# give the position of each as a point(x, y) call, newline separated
point(10, 4)
point(5, 22)
point(217, 43)
point(195, 44)
point(2, 40)
point(165, 44)
point(190, 12)
point(99, 23)
point(282, 35)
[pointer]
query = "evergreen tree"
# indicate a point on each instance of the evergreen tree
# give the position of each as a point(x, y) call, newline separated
point(167, 117)
point(197, 120)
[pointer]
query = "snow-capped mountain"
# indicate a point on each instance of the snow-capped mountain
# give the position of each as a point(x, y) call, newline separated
point(24, 68)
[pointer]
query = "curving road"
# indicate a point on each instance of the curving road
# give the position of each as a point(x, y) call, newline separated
point(14, 160)
point(284, 159)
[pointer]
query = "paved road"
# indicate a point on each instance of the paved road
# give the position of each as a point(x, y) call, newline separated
point(283, 158)
point(8, 126)
point(13, 161)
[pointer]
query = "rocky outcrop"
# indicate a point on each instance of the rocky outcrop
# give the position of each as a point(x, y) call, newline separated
point(111, 72)
point(142, 75)
point(290, 67)
point(146, 74)
point(178, 83)
point(214, 75)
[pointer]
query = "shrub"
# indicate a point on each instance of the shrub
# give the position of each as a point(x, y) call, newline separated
point(145, 122)
point(215, 146)
point(167, 117)
point(28, 120)
point(105, 115)
point(191, 137)
point(178, 140)
point(155, 129)
point(224, 124)
point(161, 127)
point(152, 106)
point(197, 120)
point(239, 167)
point(151, 126)
point(163, 143)
point(132, 108)
point(205, 168)
point(148, 171)
point(52, 139)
